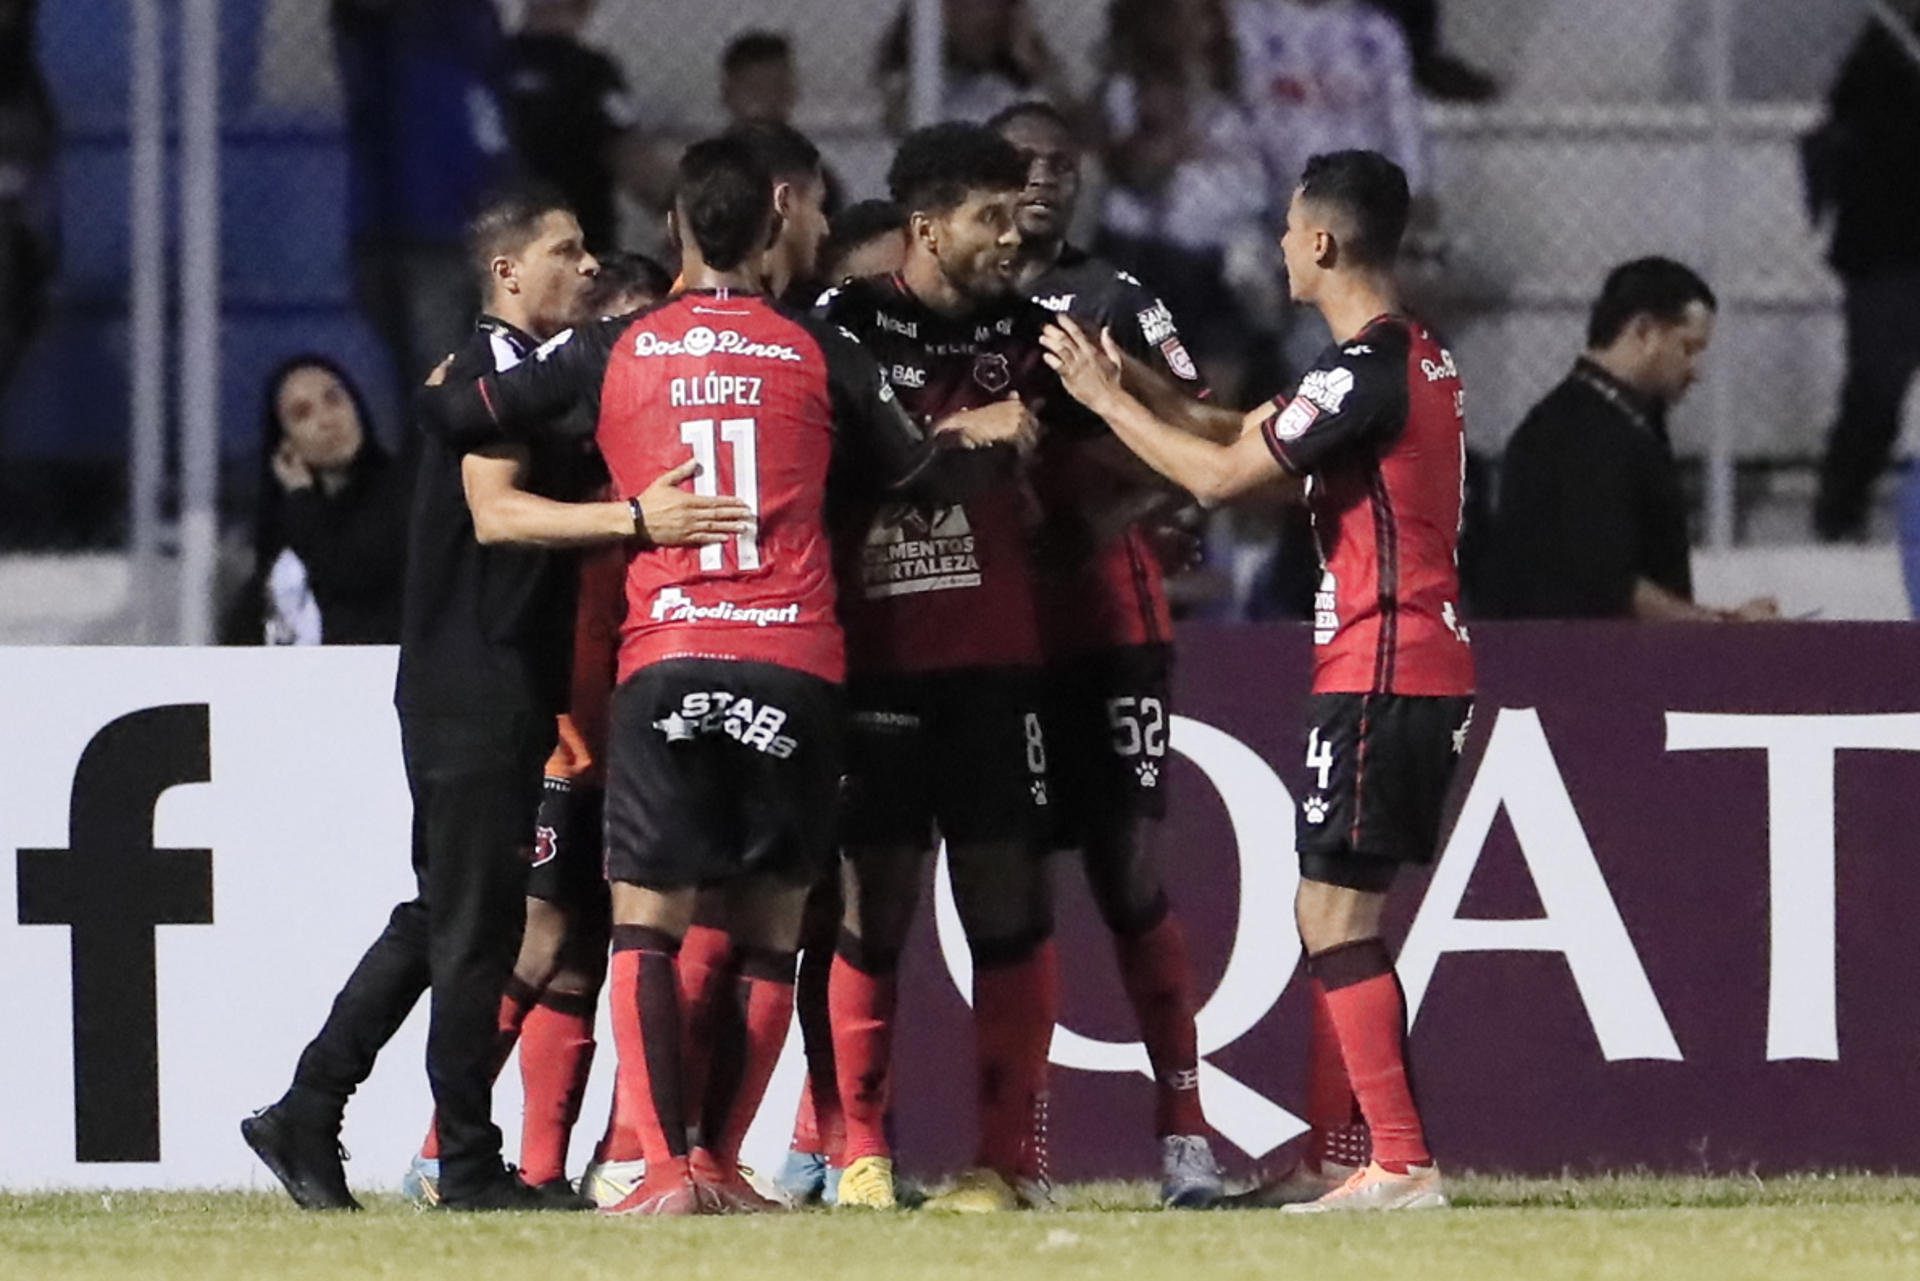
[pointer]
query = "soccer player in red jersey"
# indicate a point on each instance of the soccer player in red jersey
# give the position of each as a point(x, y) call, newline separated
point(1374, 444)
point(946, 691)
point(1107, 632)
point(726, 724)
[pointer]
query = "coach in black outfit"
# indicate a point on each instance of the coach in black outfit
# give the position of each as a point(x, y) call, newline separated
point(484, 653)
point(1592, 520)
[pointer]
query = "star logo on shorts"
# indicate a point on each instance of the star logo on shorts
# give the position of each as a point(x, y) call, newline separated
point(1149, 774)
point(1315, 810)
point(1039, 788)
point(676, 727)
point(1460, 735)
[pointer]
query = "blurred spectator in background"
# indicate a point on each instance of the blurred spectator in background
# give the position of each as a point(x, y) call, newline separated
point(1438, 73)
point(1324, 76)
point(1592, 522)
point(330, 536)
point(425, 137)
point(995, 57)
point(757, 78)
point(867, 239)
point(572, 119)
point(760, 85)
point(1186, 178)
point(626, 283)
point(1860, 173)
point(28, 134)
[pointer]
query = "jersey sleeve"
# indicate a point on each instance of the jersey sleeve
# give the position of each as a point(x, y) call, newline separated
point(1353, 399)
point(1144, 327)
point(534, 396)
point(876, 435)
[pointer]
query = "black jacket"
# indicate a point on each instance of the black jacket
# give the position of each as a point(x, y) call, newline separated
point(1590, 502)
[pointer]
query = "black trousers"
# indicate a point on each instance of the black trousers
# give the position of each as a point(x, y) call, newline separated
point(475, 780)
point(1883, 354)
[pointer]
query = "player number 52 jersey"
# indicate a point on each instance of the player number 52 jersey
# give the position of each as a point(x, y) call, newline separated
point(1378, 427)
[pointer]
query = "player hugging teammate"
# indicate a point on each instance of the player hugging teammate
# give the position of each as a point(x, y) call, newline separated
point(929, 632)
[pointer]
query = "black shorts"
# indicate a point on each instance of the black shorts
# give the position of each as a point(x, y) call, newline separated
point(1379, 767)
point(569, 847)
point(961, 753)
point(722, 769)
point(1108, 720)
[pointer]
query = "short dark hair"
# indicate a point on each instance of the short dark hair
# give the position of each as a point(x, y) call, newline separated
point(1657, 287)
point(725, 201)
point(752, 47)
point(508, 219)
point(787, 154)
point(855, 226)
point(621, 274)
point(1372, 192)
point(936, 167)
point(1031, 109)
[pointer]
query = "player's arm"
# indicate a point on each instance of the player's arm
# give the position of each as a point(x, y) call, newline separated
point(1211, 471)
point(535, 395)
point(664, 515)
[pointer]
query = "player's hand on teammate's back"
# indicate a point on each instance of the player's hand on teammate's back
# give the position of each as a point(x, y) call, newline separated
point(672, 517)
point(1089, 370)
point(439, 374)
point(1007, 422)
point(1760, 609)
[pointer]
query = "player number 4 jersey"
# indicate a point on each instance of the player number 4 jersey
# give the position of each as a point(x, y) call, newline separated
point(1378, 428)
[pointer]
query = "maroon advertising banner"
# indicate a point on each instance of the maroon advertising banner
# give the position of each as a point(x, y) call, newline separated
point(1674, 925)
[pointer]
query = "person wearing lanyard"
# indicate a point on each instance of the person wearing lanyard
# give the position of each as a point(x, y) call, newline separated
point(1593, 517)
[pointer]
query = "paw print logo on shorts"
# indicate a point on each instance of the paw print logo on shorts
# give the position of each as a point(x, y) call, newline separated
point(1149, 774)
point(1039, 787)
point(1315, 810)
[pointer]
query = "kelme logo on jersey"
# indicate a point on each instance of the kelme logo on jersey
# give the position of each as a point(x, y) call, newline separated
point(1328, 388)
point(909, 551)
point(701, 341)
point(751, 724)
point(674, 606)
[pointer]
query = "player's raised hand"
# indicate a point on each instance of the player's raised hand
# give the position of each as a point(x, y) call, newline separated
point(669, 516)
point(1007, 422)
point(1089, 370)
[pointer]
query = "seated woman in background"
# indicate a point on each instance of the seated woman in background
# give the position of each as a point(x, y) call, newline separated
point(330, 539)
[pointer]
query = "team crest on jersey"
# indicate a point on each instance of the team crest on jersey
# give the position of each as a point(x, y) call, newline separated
point(910, 550)
point(1178, 360)
point(991, 371)
point(1294, 420)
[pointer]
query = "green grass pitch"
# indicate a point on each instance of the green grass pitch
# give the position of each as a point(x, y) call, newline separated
point(1815, 1227)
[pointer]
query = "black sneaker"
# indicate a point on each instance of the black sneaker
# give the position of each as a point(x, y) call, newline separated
point(306, 1159)
point(506, 1192)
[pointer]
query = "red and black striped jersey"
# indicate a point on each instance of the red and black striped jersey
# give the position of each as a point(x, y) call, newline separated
point(1378, 428)
point(935, 588)
point(1114, 594)
point(777, 408)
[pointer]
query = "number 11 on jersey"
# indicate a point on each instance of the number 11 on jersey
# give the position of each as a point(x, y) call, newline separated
point(739, 435)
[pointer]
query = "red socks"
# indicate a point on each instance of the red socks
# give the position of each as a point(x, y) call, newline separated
point(647, 1032)
point(515, 1002)
point(1159, 982)
point(556, 1053)
point(705, 974)
point(1016, 1001)
point(861, 995)
point(764, 990)
point(1369, 1017)
point(1337, 1133)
